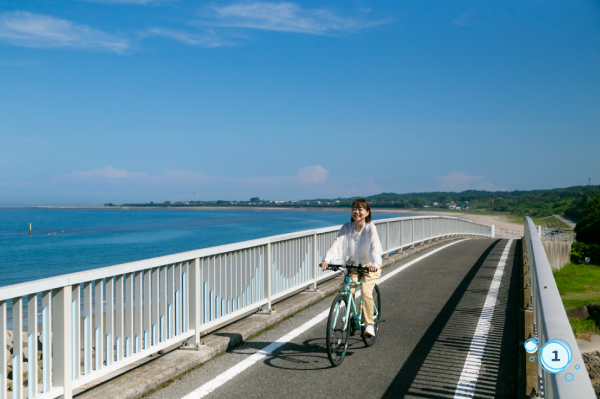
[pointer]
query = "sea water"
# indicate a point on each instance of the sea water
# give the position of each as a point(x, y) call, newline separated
point(71, 240)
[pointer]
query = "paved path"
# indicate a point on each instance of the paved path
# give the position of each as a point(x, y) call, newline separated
point(566, 221)
point(432, 310)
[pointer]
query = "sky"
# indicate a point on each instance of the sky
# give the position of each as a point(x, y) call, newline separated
point(172, 100)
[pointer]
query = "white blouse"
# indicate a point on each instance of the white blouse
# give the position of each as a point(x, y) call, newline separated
point(361, 247)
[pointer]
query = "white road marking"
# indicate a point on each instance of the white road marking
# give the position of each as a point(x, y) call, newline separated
point(266, 351)
point(468, 378)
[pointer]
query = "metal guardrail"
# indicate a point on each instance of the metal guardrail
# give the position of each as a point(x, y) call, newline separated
point(551, 322)
point(502, 232)
point(76, 328)
point(550, 234)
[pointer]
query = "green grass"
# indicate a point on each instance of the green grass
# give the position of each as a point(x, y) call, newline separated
point(582, 327)
point(545, 221)
point(579, 285)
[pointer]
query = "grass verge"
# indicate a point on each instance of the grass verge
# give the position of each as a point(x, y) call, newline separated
point(579, 285)
point(548, 221)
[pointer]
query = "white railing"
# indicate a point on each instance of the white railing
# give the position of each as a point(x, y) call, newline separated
point(508, 233)
point(549, 234)
point(72, 329)
point(551, 322)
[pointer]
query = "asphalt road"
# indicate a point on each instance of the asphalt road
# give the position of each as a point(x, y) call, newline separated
point(431, 311)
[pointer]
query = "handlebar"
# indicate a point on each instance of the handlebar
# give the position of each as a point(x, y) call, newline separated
point(359, 269)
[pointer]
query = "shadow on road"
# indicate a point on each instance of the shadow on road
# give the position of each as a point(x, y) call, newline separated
point(401, 384)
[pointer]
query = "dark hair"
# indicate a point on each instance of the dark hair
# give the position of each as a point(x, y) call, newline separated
point(362, 203)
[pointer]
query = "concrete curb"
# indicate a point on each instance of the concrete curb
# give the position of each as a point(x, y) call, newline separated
point(152, 372)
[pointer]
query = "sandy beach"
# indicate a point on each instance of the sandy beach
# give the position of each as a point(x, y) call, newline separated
point(500, 221)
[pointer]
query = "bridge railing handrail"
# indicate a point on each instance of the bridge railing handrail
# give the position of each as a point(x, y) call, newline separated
point(551, 322)
point(95, 322)
point(34, 286)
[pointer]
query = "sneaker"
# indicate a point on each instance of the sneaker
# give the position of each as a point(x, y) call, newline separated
point(369, 331)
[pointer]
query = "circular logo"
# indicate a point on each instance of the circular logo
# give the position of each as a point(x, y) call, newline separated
point(555, 355)
point(531, 345)
point(569, 377)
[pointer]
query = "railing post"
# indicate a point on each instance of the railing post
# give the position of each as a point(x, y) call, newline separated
point(430, 231)
point(3, 350)
point(99, 328)
point(61, 336)
point(32, 346)
point(138, 329)
point(493, 231)
point(148, 299)
point(17, 357)
point(401, 235)
point(88, 333)
point(109, 336)
point(267, 279)
point(315, 263)
point(412, 236)
point(119, 327)
point(194, 302)
point(387, 240)
point(76, 330)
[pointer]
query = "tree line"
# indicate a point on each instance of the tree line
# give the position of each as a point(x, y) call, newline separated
point(587, 233)
point(570, 201)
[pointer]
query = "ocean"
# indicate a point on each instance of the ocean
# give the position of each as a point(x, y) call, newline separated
point(71, 240)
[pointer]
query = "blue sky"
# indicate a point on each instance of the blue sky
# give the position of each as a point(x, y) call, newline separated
point(140, 100)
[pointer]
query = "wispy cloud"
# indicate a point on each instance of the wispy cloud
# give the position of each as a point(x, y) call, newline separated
point(118, 185)
point(313, 174)
point(458, 181)
point(107, 173)
point(209, 39)
point(310, 175)
point(21, 28)
point(465, 19)
point(285, 17)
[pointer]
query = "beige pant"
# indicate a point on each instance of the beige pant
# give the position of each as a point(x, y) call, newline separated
point(368, 282)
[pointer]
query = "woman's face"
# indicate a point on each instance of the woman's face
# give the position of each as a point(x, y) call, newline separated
point(359, 214)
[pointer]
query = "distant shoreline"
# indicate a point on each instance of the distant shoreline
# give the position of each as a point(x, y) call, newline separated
point(498, 219)
point(204, 208)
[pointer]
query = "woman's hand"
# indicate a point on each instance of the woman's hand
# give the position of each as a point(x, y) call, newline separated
point(372, 268)
point(324, 265)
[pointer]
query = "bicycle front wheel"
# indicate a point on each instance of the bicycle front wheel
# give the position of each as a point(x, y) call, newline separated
point(338, 331)
point(376, 317)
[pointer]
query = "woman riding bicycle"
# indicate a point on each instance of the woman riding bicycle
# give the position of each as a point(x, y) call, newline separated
point(358, 242)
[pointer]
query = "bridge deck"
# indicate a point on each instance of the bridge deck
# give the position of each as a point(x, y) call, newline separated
point(432, 310)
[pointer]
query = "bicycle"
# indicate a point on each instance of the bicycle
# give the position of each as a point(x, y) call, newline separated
point(344, 318)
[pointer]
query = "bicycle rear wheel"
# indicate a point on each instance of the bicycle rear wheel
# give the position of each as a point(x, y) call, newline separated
point(338, 331)
point(369, 341)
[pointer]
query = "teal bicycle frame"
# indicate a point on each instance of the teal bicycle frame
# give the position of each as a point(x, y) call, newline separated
point(351, 308)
